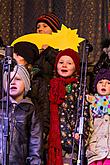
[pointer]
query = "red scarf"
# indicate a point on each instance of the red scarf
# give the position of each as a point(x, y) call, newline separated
point(57, 96)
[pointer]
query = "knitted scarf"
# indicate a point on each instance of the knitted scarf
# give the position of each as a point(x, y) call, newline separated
point(100, 105)
point(57, 96)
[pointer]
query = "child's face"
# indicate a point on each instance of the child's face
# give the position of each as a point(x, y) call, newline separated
point(65, 66)
point(19, 59)
point(103, 87)
point(43, 28)
point(17, 87)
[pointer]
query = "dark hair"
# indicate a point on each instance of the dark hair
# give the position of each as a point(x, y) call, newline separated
point(27, 50)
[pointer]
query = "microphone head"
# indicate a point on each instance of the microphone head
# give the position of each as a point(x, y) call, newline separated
point(89, 47)
point(9, 51)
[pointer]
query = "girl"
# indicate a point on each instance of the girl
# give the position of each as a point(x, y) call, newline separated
point(64, 90)
point(98, 149)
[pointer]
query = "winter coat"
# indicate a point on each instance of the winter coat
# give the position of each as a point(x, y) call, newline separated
point(39, 96)
point(69, 119)
point(43, 71)
point(99, 143)
point(24, 131)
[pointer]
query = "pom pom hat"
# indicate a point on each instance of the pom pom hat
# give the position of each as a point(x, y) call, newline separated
point(74, 55)
point(27, 50)
point(102, 74)
point(51, 20)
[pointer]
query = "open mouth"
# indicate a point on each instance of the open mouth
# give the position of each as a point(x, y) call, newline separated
point(63, 70)
point(12, 88)
point(103, 90)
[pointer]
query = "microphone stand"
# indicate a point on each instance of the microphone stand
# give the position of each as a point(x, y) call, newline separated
point(87, 48)
point(5, 130)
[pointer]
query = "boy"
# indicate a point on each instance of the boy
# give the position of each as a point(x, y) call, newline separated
point(26, 54)
point(24, 126)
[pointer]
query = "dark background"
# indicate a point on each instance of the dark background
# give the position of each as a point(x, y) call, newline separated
point(90, 17)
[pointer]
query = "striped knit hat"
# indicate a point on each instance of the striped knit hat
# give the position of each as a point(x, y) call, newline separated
point(51, 20)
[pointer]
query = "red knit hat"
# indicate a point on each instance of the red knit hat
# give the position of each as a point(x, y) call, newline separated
point(74, 55)
point(51, 20)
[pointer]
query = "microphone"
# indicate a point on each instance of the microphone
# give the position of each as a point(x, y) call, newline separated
point(88, 46)
point(9, 51)
point(8, 58)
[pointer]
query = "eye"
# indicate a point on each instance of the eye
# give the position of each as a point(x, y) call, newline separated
point(18, 79)
point(60, 62)
point(69, 63)
point(100, 82)
point(45, 25)
point(38, 27)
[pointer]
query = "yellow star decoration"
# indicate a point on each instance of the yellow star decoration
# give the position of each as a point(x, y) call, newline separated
point(64, 38)
point(37, 39)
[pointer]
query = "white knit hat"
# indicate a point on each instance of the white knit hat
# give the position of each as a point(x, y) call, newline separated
point(23, 73)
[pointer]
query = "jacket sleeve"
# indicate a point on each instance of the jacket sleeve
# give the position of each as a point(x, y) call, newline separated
point(50, 55)
point(35, 141)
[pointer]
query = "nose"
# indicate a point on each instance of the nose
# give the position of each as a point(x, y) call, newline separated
point(104, 84)
point(64, 65)
point(12, 82)
point(40, 30)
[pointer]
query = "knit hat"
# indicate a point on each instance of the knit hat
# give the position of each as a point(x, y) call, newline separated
point(27, 50)
point(23, 73)
point(102, 74)
point(51, 20)
point(74, 55)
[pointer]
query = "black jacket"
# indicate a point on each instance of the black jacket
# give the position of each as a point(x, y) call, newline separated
point(40, 98)
point(46, 63)
point(25, 133)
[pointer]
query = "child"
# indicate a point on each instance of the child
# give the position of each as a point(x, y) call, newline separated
point(24, 126)
point(98, 150)
point(64, 92)
point(27, 54)
point(46, 24)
